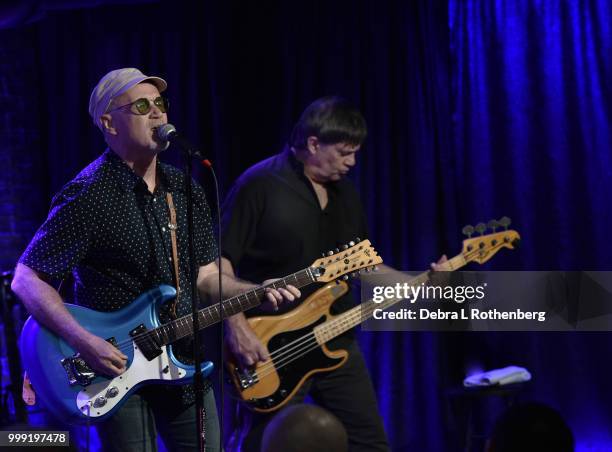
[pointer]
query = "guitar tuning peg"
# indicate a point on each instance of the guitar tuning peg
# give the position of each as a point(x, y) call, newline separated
point(351, 243)
point(481, 228)
point(344, 247)
point(330, 253)
point(337, 250)
point(375, 268)
point(468, 230)
point(357, 239)
point(345, 277)
point(493, 225)
point(505, 222)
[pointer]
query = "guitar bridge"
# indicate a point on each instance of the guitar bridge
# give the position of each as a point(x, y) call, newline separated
point(246, 378)
point(78, 371)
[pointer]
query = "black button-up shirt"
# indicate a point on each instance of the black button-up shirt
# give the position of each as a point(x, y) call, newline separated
point(112, 234)
point(108, 230)
point(273, 224)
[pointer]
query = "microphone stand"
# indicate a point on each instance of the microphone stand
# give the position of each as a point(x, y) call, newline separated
point(198, 379)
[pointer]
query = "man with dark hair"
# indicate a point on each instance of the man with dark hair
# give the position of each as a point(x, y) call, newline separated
point(278, 218)
point(110, 228)
point(531, 427)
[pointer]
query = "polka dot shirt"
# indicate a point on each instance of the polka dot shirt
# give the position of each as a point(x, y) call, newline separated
point(112, 234)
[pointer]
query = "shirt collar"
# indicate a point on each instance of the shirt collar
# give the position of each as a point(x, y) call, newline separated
point(298, 168)
point(128, 179)
point(294, 163)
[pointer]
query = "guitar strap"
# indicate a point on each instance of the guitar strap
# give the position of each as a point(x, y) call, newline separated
point(172, 225)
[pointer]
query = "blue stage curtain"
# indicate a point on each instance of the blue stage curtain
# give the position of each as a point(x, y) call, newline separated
point(531, 107)
point(475, 110)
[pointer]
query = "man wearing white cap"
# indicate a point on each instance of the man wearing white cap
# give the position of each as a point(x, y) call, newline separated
point(109, 229)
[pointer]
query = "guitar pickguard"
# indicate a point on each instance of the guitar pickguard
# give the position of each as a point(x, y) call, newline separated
point(99, 398)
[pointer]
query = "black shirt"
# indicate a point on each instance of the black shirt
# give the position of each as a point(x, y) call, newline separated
point(273, 224)
point(112, 233)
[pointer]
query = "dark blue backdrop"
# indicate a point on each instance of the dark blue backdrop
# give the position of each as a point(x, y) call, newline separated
point(475, 110)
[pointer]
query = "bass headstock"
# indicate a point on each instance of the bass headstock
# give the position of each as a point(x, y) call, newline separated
point(483, 247)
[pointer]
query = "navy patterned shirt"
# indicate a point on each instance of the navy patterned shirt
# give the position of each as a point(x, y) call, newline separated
point(112, 234)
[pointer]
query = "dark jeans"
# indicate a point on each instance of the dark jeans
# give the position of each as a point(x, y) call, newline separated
point(347, 392)
point(158, 410)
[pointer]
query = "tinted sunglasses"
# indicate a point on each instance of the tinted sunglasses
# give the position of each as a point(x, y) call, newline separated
point(143, 105)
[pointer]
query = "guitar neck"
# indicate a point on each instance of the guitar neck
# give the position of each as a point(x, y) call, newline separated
point(183, 327)
point(353, 317)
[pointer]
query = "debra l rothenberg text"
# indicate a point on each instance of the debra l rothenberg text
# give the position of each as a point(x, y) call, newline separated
point(462, 314)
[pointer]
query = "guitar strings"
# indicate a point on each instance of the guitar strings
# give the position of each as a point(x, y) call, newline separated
point(269, 366)
point(288, 353)
point(301, 277)
point(291, 354)
point(332, 324)
point(128, 344)
point(303, 345)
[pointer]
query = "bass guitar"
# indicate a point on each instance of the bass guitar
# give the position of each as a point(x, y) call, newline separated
point(297, 340)
point(75, 393)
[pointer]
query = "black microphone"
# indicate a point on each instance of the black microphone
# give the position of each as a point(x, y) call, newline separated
point(167, 132)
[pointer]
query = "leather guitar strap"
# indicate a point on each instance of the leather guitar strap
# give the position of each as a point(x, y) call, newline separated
point(172, 225)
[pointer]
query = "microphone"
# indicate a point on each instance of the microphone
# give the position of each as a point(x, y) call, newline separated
point(168, 133)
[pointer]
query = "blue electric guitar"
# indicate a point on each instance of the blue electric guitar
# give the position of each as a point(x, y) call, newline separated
point(73, 392)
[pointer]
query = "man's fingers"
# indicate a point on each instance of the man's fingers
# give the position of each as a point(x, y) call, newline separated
point(294, 291)
point(247, 361)
point(279, 295)
point(107, 367)
point(263, 354)
point(115, 355)
point(120, 362)
point(273, 301)
point(275, 294)
point(436, 265)
point(115, 369)
point(287, 294)
point(119, 357)
point(250, 360)
point(117, 364)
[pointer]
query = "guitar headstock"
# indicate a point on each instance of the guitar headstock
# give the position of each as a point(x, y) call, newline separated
point(482, 248)
point(352, 258)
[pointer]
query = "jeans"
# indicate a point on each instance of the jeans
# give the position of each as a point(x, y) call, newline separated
point(158, 410)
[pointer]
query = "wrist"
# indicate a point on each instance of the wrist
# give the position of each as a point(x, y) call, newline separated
point(236, 320)
point(77, 337)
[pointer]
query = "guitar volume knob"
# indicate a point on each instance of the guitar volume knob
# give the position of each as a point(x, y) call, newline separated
point(99, 402)
point(112, 392)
